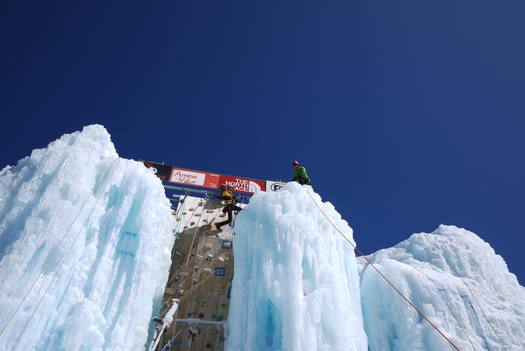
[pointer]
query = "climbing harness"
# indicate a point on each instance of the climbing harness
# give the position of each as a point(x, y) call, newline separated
point(383, 276)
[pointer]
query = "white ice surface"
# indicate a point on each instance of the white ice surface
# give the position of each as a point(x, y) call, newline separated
point(458, 282)
point(296, 285)
point(87, 236)
point(85, 240)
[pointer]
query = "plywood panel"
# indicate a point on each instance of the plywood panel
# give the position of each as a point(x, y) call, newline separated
point(200, 276)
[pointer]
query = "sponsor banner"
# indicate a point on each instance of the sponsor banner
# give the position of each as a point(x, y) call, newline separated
point(274, 186)
point(195, 178)
point(161, 171)
point(211, 180)
point(243, 185)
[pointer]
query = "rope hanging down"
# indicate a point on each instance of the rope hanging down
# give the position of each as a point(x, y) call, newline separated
point(110, 174)
point(447, 304)
point(33, 283)
point(384, 277)
point(484, 315)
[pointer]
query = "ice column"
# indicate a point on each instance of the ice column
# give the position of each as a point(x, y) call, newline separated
point(85, 240)
point(296, 284)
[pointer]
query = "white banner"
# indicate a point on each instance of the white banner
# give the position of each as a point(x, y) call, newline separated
point(187, 177)
point(274, 186)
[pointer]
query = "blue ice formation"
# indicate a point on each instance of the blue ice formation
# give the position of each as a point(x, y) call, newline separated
point(296, 282)
point(85, 240)
point(458, 282)
point(295, 286)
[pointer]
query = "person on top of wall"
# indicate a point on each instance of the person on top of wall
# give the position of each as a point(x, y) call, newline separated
point(226, 194)
point(299, 174)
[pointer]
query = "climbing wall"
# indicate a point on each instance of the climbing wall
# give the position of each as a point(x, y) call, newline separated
point(200, 276)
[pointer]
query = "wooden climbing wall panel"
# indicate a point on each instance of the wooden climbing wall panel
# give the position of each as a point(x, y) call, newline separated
point(200, 277)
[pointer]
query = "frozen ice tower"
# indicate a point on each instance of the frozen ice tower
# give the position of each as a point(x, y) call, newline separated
point(85, 252)
point(296, 283)
point(85, 240)
point(459, 283)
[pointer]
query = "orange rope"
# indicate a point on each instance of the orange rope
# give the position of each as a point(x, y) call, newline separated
point(385, 278)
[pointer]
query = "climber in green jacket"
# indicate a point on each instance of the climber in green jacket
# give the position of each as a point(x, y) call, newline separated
point(299, 174)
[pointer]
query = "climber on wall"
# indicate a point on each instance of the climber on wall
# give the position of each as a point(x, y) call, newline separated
point(226, 194)
point(299, 174)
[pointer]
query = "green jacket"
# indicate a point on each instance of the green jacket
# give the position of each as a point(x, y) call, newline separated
point(299, 173)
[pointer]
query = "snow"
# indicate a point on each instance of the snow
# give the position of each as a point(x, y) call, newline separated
point(296, 285)
point(85, 246)
point(85, 240)
point(460, 284)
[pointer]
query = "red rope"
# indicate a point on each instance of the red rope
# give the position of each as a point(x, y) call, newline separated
point(385, 278)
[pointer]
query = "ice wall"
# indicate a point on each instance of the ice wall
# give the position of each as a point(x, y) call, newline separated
point(296, 285)
point(85, 240)
point(458, 281)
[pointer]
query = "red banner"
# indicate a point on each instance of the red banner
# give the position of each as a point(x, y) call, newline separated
point(243, 185)
point(195, 178)
point(207, 180)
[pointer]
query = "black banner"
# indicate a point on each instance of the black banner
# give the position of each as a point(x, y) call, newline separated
point(162, 171)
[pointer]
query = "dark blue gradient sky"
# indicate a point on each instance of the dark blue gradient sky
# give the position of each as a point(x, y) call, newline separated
point(407, 114)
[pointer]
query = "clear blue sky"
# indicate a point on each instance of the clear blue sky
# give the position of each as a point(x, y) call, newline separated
point(407, 114)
